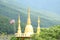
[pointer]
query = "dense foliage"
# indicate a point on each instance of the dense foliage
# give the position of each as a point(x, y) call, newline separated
point(4, 24)
point(52, 33)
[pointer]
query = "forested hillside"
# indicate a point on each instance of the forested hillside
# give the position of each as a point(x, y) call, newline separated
point(11, 9)
point(5, 26)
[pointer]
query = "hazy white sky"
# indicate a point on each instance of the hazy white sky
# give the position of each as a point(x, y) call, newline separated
point(50, 5)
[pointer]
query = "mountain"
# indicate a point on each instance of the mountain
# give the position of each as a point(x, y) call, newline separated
point(11, 9)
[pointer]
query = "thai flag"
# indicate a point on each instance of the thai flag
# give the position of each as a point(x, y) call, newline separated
point(12, 21)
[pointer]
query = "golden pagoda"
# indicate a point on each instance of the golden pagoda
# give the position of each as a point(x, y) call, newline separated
point(18, 34)
point(28, 29)
point(38, 28)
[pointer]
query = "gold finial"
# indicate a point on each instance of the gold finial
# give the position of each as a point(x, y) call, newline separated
point(18, 19)
point(19, 28)
point(38, 28)
point(28, 20)
point(38, 21)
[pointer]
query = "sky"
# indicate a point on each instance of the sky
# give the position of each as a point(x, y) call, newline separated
point(49, 5)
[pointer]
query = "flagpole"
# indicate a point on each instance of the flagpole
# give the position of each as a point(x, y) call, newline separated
point(14, 28)
point(13, 23)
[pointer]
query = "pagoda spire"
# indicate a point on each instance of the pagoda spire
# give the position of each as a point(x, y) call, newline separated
point(19, 28)
point(38, 28)
point(28, 20)
point(28, 29)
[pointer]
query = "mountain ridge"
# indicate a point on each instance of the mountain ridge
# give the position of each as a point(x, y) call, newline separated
point(12, 11)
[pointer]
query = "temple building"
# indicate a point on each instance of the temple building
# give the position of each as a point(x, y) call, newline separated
point(28, 29)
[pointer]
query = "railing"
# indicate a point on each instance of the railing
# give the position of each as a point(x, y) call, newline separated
point(22, 35)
